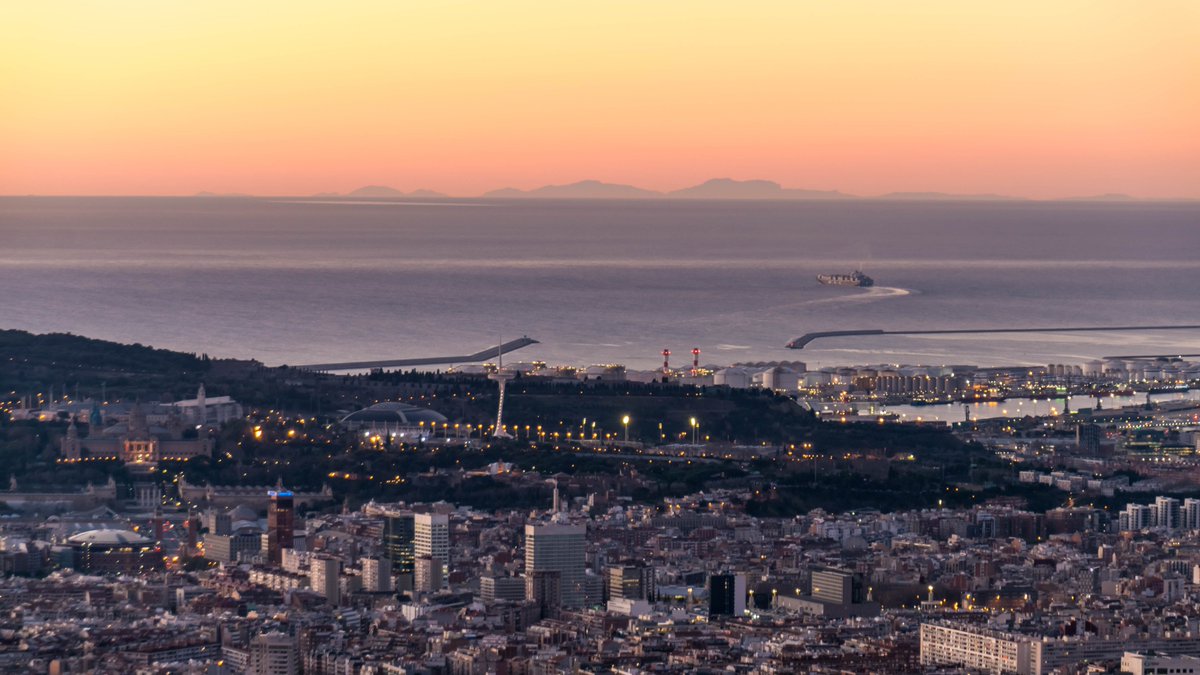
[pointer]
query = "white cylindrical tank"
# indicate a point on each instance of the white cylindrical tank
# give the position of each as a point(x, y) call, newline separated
point(817, 379)
point(738, 378)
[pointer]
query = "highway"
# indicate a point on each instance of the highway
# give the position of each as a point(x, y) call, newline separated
point(491, 353)
point(804, 340)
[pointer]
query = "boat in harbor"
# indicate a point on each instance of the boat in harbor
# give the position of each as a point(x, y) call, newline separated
point(855, 279)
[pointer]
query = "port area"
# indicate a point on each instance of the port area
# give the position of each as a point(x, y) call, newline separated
point(953, 393)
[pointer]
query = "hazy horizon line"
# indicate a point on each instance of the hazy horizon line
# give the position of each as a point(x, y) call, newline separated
point(694, 192)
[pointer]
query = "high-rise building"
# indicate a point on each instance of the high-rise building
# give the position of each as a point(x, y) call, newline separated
point(398, 533)
point(593, 589)
point(1088, 437)
point(231, 547)
point(222, 522)
point(726, 595)
point(323, 577)
point(838, 587)
point(273, 653)
point(427, 574)
point(502, 588)
point(377, 575)
point(1166, 513)
point(631, 582)
point(1191, 514)
point(281, 524)
point(837, 593)
point(544, 588)
point(431, 539)
point(1136, 517)
point(558, 548)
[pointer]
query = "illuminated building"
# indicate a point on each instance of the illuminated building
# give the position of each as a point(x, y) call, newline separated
point(281, 523)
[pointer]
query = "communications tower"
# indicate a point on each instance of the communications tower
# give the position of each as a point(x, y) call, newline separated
point(501, 377)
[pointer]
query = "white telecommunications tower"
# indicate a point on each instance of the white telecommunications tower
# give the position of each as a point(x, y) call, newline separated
point(501, 376)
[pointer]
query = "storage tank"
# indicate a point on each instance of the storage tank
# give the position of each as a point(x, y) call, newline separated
point(817, 379)
point(737, 378)
point(777, 378)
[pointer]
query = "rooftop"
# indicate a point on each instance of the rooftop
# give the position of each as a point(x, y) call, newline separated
point(394, 412)
point(108, 538)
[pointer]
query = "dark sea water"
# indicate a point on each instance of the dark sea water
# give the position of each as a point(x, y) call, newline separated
point(295, 281)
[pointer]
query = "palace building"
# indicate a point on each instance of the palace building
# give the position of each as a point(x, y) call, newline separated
point(136, 442)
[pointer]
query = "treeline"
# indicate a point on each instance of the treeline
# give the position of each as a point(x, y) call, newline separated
point(65, 350)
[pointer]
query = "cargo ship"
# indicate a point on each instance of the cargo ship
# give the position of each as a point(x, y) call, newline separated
point(855, 279)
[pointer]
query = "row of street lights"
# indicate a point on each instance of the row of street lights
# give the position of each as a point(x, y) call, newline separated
point(695, 424)
point(481, 429)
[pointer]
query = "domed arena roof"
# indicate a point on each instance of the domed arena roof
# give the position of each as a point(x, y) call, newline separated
point(243, 512)
point(393, 412)
point(108, 538)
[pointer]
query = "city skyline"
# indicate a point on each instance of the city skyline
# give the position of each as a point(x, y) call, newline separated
point(854, 337)
point(1022, 99)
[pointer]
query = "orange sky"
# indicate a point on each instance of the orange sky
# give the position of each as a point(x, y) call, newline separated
point(1038, 98)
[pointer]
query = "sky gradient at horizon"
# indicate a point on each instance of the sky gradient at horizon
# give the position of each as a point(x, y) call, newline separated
point(1025, 98)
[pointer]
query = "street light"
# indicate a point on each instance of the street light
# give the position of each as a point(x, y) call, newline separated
point(625, 421)
point(695, 426)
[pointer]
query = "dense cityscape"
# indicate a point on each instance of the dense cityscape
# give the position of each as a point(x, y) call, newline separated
point(346, 533)
point(515, 337)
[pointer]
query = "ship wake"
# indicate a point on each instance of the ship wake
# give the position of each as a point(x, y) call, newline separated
point(865, 295)
point(872, 294)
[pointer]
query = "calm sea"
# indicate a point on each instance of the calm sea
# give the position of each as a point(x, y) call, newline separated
point(295, 281)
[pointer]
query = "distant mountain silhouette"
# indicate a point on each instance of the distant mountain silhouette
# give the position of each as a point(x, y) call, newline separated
point(727, 188)
point(584, 189)
point(949, 197)
point(1106, 197)
point(375, 191)
point(381, 192)
point(505, 193)
point(716, 188)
